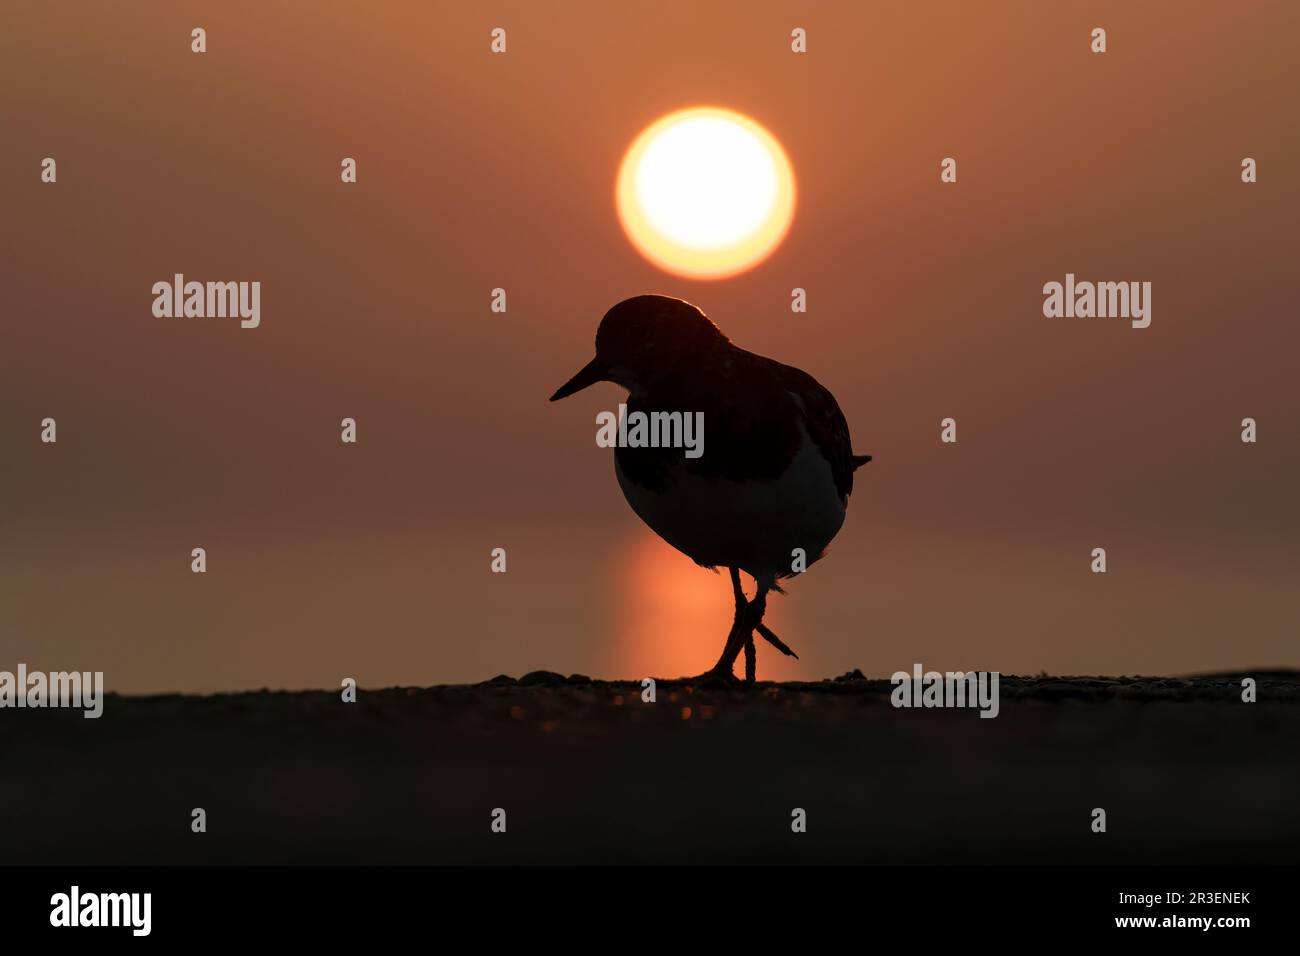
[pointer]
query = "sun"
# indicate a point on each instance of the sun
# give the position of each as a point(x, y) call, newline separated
point(705, 193)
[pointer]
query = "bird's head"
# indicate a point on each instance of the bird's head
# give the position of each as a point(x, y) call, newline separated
point(643, 339)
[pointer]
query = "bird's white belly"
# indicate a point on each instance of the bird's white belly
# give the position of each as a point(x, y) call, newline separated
point(754, 525)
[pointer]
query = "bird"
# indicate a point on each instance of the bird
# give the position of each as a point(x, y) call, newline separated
point(776, 469)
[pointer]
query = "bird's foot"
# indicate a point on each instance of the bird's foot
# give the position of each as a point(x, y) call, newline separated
point(714, 676)
point(772, 639)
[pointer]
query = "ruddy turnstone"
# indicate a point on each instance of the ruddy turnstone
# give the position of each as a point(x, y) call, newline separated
point(774, 480)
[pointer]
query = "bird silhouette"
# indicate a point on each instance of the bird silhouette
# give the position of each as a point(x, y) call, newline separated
point(776, 470)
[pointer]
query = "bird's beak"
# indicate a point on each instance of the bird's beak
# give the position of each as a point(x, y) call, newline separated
point(591, 373)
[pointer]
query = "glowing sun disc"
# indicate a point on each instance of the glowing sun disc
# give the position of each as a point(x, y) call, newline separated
point(705, 193)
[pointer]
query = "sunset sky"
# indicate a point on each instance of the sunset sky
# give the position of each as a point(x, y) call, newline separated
point(478, 171)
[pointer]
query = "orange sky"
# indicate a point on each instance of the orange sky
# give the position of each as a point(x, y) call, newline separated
point(478, 172)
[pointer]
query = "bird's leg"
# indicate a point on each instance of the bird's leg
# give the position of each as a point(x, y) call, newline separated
point(754, 612)
point(735, 643)
point(757, 608)
point(737, 591)
point(749, 618)
point(751, 658)
point(736, 637)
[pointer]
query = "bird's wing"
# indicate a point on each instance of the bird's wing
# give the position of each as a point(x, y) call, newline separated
point(825, 423)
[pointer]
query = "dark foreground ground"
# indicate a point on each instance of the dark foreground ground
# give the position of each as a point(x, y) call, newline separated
point(587, 772)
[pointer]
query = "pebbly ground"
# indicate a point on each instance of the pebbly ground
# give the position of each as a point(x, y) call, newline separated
point(589, 773)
